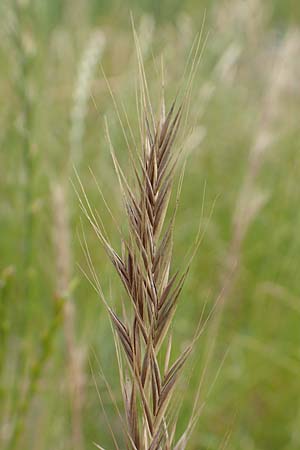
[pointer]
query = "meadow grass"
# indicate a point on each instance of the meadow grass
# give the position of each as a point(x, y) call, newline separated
point(241, 177)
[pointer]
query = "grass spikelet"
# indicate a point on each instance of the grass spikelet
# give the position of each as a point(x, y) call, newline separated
point(90, 58)
point(142, 333)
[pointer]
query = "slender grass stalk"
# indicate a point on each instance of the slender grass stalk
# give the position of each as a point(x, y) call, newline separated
point(35, 373)
point(5, 323)
point(251, 198)
point(90, 58)
point(23, 65)
point(62, 243)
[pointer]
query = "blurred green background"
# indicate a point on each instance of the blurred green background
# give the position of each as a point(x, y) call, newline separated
point(242, 178)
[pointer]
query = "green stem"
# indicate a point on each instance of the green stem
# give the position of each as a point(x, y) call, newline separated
point(34, 376)
point(22, 88)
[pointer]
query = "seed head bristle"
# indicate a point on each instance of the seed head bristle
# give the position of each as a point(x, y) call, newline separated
point(144, 268)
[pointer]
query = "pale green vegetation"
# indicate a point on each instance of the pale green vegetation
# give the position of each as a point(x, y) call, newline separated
point(59, 375)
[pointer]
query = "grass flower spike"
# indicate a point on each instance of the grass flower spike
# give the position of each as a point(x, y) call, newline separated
point(142, 333)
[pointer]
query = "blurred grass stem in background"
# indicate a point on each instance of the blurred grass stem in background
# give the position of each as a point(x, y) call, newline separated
point(23, 61)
